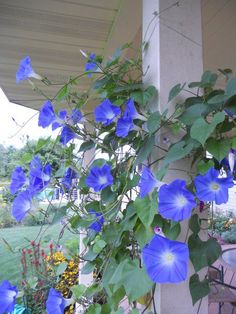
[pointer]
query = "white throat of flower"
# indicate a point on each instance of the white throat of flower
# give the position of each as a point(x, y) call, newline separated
point(231, 161)
point(168, 258)
point(214, 186)
point(110, 115)
point(11, 294)
point(102, 180)
point(180, 201)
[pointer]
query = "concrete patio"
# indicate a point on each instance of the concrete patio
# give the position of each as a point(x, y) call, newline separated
point(229, 278)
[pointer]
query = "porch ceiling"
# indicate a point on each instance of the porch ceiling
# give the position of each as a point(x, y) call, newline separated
point(52, 32)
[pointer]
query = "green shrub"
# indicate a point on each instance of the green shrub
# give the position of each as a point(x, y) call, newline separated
point(6, 220)
point(230, 235)
point(220, 223)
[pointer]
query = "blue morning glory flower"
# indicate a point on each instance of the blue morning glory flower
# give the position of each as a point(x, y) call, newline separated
point(91, 65)
point(124, 126)
point(46, 115)
point(62, 114)
point(40, 175)
point(106, 112)
point(76, 116)
point(165, 261)
point(67, 134)
point(55, 302)
point(211, 188)
point(229, 163)
point(18, 179)
point(147, 182)
point(25, 70)
point(131, 112)
point(99, 220)
point(175, 201)
point(22, 204)
point(8, 294)
point(69, 175)
point(99, 178)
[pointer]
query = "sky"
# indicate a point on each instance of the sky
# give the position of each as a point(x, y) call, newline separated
point(12, 117)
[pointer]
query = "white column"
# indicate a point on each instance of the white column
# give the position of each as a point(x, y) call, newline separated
point(87, 160)
point(173, 55)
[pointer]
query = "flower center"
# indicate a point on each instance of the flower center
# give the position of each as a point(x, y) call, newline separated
point(215, 186)
point(102, 180)
point(168, 258)
point(181, 200)
point(110, 115)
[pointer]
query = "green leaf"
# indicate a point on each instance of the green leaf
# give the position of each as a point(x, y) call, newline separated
point(88, 268)
point(99, 246)
point(63, 92)
point(112, 234)
point(86, 146)
point(90, 255)
point(201, 130)
point(217, 99)
point(234, 143)
point(149, 94)
point(138, 97)
point(94, 309)
point(231, 104)
point(78, 291)
point(41, 143)
point(133, 278)
point(203, 253)
point(145, 150)
point(143, 235)
point(61, 268)
point(194, 224)
point(218, 148)
point(101, 82)
point(119, 311)
point(192, 113)
point(134, 311)
point(107, 195)
point(203, 166)
point(61, 171)
point(105, 308)
point(26, 158)
point(208, 79)
point(130, 218)
point(59, 214)
point(173, 232)
point(198, 289)
point(116, 297)
point(146, 210)
point(230, 88)
point(93, 289)
point(194, 84)
point(177, 151)
point(128, 87)
point(154, 121)
point(144, 97)
point(175, 91)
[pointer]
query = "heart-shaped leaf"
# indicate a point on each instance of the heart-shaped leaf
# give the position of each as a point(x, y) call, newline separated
point(218, 148)
point(201, 130)
point(198, 289)
point(203, 253)
point(177, 151)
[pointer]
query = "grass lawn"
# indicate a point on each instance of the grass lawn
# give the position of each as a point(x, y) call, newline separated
point(19, 237)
